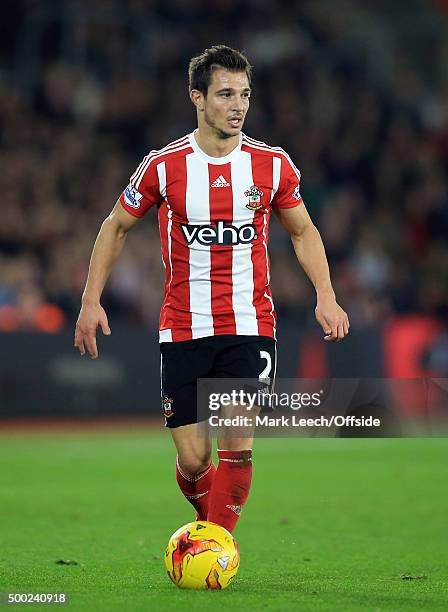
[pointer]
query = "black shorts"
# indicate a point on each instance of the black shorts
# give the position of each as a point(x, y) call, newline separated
point(182, 363)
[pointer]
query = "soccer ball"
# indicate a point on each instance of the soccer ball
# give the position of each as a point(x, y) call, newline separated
point(202, 555)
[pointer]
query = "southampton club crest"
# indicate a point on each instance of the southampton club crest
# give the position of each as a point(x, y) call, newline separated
point(254, 194)
point(166, 404)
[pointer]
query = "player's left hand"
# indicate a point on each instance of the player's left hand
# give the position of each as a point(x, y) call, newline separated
point(332, 318)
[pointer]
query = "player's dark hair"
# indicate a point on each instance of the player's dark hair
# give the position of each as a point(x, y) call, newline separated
point(201, 67)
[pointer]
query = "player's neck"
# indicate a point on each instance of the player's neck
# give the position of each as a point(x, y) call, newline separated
point(214, 146)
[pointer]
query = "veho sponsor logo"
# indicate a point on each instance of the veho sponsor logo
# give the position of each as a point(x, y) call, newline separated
point(221, 233)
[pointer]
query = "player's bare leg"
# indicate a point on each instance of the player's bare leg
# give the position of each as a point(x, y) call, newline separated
point(193, 448)
point(194, 468)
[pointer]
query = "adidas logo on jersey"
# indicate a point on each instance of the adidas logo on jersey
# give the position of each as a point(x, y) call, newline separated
point(220, 182)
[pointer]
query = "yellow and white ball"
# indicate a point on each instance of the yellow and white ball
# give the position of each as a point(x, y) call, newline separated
point(202, 555)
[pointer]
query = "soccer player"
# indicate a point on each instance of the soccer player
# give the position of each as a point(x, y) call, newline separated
point(214, 191)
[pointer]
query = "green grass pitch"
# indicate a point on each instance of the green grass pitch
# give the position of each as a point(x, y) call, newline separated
point(330, 524)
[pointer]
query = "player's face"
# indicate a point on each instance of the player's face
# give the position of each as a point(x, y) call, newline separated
point(227, 102)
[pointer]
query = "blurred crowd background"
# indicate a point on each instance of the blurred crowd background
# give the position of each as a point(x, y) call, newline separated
point(356, 92)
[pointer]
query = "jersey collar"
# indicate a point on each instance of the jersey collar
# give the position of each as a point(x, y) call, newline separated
point(214, 160)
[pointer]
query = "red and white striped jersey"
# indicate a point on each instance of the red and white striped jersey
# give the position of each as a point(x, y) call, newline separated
point(214, 219)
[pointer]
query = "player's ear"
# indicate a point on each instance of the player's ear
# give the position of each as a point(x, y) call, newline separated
point(197, 97)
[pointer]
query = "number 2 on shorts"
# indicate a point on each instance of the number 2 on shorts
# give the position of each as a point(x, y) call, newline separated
point(264, 375)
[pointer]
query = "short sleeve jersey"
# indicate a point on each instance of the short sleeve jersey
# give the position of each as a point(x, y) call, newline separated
point(213, 218)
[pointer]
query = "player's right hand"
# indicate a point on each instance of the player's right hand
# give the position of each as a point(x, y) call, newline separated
point(90, 316)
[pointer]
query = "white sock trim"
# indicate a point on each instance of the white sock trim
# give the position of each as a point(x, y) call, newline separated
point(197, 496)
point(242, 460)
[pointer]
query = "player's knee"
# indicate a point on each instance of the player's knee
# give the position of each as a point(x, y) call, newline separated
point(194, 464)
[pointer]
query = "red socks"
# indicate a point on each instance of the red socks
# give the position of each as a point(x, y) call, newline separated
point(218, 495)
point(230, 487)
point(196, 488)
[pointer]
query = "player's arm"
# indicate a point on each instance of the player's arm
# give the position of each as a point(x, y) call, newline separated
point(108, 246)
point(311, 255)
